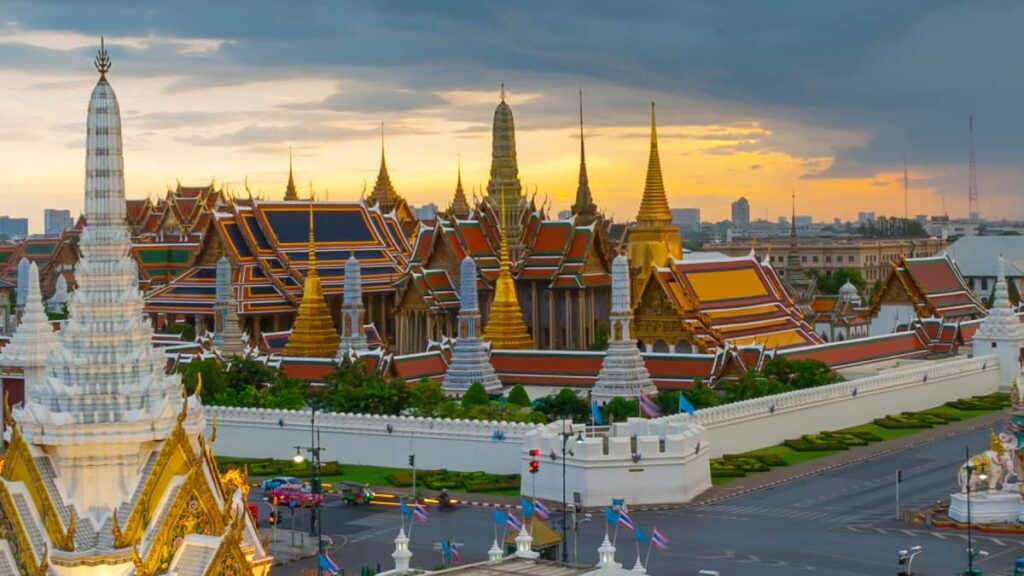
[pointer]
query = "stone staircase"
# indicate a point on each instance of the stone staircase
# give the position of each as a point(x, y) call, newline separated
point(105, 536)
point(85, 534)
point(35, 536)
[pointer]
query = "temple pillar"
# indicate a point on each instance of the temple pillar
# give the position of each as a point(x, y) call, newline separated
point(534, 314)
point(551, 319)
point(568, 320)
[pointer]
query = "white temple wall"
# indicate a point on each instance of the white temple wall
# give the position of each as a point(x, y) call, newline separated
point(461, 445)
point(889, 317)
point(762, 422)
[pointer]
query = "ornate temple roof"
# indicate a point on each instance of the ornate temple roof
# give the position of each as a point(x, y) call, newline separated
point(583, 208)
point(459, 208)
point(383, 195)
point(733, 301)
point(290, 193)
point(933, 285)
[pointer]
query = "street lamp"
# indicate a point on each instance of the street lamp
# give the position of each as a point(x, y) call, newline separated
point(907, 557)
point(566, 434)
point(971, 554)
point(314, 449)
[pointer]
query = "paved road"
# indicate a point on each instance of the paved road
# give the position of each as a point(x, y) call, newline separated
point(837, 523)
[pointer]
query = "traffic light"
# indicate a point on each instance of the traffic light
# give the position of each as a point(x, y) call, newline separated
point(272, 518)
point(534, 461)
point(412, 460)
point(276, 499)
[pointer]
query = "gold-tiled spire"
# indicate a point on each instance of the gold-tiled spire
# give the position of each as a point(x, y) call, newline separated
point(460, 206)
point(383, 194)
point(654, 205)
point(313, 333)
point(505, 326)
point(584, 208)
point(289, 192)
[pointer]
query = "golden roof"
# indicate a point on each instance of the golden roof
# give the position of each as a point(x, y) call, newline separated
point(505, 326)
point(460, 206)
point(543, 534)
point(654, 209)
point(383, 194)
point(289, 192)
point(313, 333)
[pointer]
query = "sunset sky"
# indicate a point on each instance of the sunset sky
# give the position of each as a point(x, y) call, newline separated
point(754, 98)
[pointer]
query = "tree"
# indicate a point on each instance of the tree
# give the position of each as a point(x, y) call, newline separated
point(188, 333)
point(668, 401)
point(830, 282)
point(702, 397)
point(564, 404)
point(600, 342)
point(215, 379)
point(619, 409)
point(354, 388)
point(475, 396)
point(517, 396)
point(1012, 292)
point(426, 397)
point(800, 374)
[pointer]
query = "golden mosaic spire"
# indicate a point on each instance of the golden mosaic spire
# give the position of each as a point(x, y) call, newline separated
point(460, 206)
point(505, 326)
point(654, 205)
point(289, 192)
point(383, 194)
point(313, 333)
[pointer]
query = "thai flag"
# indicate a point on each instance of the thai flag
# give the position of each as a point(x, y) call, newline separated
point(649, 407)
point(454, 552)
point(513, 522)
point(328, 564)
point(626, 521)
point(659, 540)
point(419, 513)
point(541, 510)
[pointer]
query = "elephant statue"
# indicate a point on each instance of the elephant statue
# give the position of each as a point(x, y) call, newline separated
point(995, 466)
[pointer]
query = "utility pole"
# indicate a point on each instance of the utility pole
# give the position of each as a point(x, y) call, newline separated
point(899, 480)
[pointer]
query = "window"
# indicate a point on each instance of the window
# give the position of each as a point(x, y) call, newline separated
point(815, 258)
point(803, 259)
point(984, 284)
point(828, 259)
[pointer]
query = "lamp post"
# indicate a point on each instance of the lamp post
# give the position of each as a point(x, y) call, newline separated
point(906, 557)
point(314, 449)
point(971, 555)
point(566, 434)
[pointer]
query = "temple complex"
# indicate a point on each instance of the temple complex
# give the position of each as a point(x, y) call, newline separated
point(504, 190)
point(107, 469)
point(652, 240)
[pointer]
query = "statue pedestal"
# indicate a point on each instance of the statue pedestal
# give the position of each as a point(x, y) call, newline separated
point(998, 508)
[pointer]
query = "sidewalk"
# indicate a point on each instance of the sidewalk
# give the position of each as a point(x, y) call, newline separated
point(851, 456)
point(283, 550)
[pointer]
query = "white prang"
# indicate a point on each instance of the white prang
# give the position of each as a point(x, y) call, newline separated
point(1000, 333)
point(470, 356)
point(353, 314)
point(106, 395)
point(33, 340)
point(623, 372)
point(60, 295)
point(227, 336)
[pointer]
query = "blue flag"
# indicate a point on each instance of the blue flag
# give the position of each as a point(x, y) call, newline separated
point(446, 549)
point(500, 516)
point(611, 516)
point(641, 537)
point(527, 507)
point(405, 508)
point(595, 413)
point(685, 405)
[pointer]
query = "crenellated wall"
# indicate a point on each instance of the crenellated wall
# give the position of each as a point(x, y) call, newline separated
point(464, 445)
point(761, 422)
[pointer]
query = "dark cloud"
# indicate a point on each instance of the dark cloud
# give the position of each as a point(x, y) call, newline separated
point(906, 73)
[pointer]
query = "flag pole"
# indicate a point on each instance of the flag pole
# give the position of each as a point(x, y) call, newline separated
point(638, 544)
point(650, 540)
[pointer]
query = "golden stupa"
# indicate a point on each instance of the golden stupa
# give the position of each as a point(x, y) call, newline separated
point(653, 240)
point(505, 326)
point(313, 333)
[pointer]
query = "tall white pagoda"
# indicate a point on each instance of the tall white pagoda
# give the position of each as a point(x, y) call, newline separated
point(470, 357)
point(623, 371)
point(353, 314)
point(107, 470)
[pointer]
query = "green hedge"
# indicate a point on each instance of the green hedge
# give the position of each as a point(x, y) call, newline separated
point(469, 481)
point(991, 402)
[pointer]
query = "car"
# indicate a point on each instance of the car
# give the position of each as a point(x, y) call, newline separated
point(301, 495)
point(273, 483)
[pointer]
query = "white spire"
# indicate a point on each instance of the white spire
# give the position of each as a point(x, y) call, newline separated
point(33, 340)
point(60, 295)
point(623, 371)
point(1001, 322)
point(402, 555)
point(353, 314)
point(524, 544)
point(606, 554)
point(470, 359)
point(23, 265)
point(638, 567)
point(495, 554)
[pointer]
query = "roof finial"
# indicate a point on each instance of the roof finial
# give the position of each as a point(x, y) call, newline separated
point(312, 238)
point(581, 124)
point(382, 142)
point(102, 60)
point(502, 91)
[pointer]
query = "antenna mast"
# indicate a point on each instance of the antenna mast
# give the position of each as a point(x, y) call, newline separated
point(972, 192)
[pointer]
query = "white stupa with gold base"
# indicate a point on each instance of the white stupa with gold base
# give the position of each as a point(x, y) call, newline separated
point(107, 470)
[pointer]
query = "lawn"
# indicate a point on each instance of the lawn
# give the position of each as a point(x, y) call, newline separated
point(789, 456)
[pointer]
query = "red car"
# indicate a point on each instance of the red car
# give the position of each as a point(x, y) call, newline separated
point(301, 495)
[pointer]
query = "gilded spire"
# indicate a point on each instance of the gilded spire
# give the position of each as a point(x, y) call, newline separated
point(290, 193)
point(383, 194)
point(102, 60)
point(459, 207)
point(313, 333)
point(584, 207)
point(504, 187)
point(505, 326)
point(654, 205)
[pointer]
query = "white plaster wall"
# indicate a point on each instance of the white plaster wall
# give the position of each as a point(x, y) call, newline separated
point(461, 445)
point(672, 465)
point(761, 422)
point(889, 316)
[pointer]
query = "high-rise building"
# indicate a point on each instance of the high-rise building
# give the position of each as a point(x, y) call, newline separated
point(803, 221)
point(686, 218)
point(865, 217)
point(741, 212)
point(55, 222)
point(13, 227)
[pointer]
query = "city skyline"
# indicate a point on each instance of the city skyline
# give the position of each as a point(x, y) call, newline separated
point(221, 100)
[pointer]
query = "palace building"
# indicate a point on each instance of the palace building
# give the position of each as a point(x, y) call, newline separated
point(108, 469)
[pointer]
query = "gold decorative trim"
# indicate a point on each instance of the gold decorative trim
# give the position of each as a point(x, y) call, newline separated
point(20, 466)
